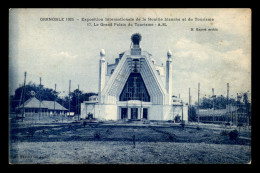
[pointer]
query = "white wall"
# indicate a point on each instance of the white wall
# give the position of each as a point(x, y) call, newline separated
point(168, 112)
point(185, 113)
point(83, 112)
point(106, 112)
point(155, 112)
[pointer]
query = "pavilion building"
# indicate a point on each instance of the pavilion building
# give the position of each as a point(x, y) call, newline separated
point(135, 88)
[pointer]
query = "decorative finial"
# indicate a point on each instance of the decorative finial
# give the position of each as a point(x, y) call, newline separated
point(102, 53)
point(153, 60)
point(169, 53)
point(136, 38)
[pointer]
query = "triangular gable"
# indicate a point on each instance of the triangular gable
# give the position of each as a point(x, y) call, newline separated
point(110, 93)
point(32, 103)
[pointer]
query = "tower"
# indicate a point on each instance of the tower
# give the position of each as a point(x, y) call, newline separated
point(135, 48)
point(169, 75)
point(102, 73)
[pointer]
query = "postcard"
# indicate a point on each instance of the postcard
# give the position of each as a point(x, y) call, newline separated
point(130, 86)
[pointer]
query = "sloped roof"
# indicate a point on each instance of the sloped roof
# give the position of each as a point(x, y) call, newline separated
point(32, 103)
point(50, 105)
point(35, 103)
point(207, 112)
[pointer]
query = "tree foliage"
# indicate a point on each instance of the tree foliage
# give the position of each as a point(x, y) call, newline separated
point(220, 102)
point(31, 89)
point(41, 93)
point(192, 113)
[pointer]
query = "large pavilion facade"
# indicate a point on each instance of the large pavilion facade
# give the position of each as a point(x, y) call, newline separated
point(135, 88)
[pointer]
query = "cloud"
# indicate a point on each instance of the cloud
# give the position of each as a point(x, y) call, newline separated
point(213, 68)
point(65, 54)
point(236, 21)
point(237, 59)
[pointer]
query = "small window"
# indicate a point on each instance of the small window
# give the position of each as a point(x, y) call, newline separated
point(112, 71)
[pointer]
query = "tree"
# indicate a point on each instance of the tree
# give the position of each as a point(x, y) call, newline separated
point(42, 93)
point(192, 113)
point(31, 90)
point(247, 106)
point(220, 102)
point(74, 103)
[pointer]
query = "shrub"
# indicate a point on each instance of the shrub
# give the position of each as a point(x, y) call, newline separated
point(233, 135)
point(97, 135)
point(223, 133)
point(84, 123)
point(31, 132)
point(171, 137)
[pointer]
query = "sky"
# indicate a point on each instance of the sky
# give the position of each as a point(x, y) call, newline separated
point(59, 51)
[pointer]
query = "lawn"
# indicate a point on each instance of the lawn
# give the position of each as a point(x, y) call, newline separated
point(112, 143)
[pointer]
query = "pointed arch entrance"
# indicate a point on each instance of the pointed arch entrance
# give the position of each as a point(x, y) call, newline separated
point(135, 89)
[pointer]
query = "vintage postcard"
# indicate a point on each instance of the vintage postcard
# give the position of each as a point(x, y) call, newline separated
point(130, 86)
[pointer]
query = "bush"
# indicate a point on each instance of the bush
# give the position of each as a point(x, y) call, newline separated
point(31, 132)
point(233, 135)
point(171, 137)
point(97, 135)
point(223, 133)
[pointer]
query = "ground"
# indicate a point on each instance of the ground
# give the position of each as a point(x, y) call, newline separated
point(112, 142)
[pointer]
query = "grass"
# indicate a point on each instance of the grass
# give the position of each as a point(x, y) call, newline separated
point(104, 143)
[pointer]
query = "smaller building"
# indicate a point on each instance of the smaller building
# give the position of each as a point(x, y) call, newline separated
point(33, 106)
point(89, 107)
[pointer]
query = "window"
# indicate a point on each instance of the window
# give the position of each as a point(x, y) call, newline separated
point(135, 89)
point(112, 71)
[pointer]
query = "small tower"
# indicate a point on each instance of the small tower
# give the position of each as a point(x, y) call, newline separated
point(135, 48)
point(102, 73)
point(169, 75)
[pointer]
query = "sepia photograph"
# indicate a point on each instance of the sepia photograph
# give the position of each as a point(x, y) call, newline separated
point(129, 86)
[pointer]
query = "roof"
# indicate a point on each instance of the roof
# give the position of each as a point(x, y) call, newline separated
point(50, 105)
point(35, 103)
point(206, 112)
point(32, 103)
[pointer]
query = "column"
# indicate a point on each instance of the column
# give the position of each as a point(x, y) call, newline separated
point(102, 74)
point(129, 113)
point(169, 75)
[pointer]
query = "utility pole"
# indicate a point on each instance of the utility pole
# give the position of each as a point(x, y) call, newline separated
point(189, 96)
point(63, 110)
point(189, 108)
point(24, 95)
point(78, 102)
point(227, 99)
point(69, 97)
point(54, 103)
point(236, 110)
point(213, 104)
point(198, 102)
point(40, 98)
